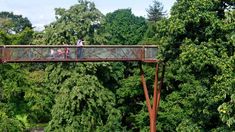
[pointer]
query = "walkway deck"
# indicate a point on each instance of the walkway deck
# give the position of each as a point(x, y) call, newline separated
point(69, 53)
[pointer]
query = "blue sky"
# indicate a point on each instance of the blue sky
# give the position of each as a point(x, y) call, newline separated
point(41, 12)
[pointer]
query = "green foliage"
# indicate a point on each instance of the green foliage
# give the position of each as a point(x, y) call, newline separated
point(123, 27)
point(15, 29)
point(155, 11)
point(22, 38)
point(188, 126)
point(198, 47)
point(197, 44)
point(12, 90)
point(9, 124)
point(39, 97)
point(38, 38)
point(73, 24)
point(131, 100)
point(4, 38)
point(23, 119)
point(84, 104)
point(12, 23)
point(13, 85)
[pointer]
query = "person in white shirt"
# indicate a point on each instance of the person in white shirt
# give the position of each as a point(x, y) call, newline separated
point(52, 53)
point(79, 49)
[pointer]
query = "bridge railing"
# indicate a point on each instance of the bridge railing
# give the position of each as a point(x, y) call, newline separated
point(1, 54)
point(60, 53)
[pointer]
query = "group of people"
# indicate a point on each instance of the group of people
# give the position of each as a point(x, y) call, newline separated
point(66, 51)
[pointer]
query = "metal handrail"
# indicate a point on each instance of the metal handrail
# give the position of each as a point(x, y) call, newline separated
point(88, 46)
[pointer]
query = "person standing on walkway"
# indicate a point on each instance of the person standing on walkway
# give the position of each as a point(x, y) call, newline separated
point(66, 52)
point(79, 49)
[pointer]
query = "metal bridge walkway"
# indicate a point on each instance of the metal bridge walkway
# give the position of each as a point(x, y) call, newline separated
point(73, 53)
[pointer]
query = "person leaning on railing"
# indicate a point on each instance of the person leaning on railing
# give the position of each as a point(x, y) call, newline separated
point(66, 52)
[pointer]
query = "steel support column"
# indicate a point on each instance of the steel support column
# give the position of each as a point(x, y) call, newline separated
point(153, 109)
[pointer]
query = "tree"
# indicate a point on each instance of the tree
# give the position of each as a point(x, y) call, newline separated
point(15, 29)
point(13, 85)
point(197, 46)
point(12, 23)
point(73, 24)
point(155, 12)
point(123, 27)
point(38, 97)
point(84, 104)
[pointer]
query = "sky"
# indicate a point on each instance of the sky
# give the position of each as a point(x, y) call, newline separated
point(41, 12)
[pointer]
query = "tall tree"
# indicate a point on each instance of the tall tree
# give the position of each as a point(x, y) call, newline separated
point(197, 44)
point(123, 27)
point(73, 24)
point(155, 11)
point(82, 103)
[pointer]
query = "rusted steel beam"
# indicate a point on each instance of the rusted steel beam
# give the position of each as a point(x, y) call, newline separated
point(153, 109)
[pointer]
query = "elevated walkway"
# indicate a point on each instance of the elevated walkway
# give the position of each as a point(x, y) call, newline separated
point(72, 53)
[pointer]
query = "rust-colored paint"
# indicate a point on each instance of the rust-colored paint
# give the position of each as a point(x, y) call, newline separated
point(153, 109)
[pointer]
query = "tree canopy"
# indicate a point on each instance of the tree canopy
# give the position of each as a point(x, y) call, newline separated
point(123, 27)
point(198, 48)
point(73, 24)
point(15, 29)
point(196, 44)
point(12, 23)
